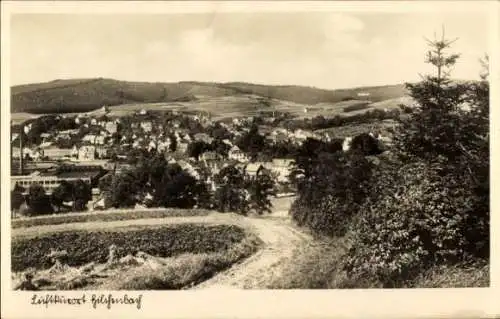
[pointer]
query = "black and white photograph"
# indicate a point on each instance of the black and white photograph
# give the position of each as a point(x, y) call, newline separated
point(247, 150)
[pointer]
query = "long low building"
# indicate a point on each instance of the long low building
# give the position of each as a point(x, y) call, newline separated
point(48, 182)
point(52, 179)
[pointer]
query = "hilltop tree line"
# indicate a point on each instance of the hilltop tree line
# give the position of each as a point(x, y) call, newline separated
point(423, 203)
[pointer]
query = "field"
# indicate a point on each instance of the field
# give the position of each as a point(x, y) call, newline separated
point(105, 216)
point(21, 117)
point(151, 256)
point(87, 246)
point(84, 95)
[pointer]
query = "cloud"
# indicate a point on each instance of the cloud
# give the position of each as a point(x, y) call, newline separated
point(328, 50)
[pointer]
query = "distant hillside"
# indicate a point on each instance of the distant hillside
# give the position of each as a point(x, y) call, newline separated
point(83, 95)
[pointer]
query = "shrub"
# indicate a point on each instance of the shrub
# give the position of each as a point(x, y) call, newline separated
point(422, 220)
point(331, 192)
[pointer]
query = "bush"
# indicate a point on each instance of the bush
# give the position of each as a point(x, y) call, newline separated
point(331, 192)
point(421, 220)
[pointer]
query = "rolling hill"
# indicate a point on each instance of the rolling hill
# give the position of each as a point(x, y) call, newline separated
point(84, 95)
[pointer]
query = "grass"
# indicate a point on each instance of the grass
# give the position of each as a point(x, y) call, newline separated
point(83, 95)
point(105, 216)
point(315, 265)
point(92, 246)
point(184, 271)
point(318, 265)
point(456, 276)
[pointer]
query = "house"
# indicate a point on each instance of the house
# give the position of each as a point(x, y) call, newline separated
point(53, 152)
point(151, 146)
point(67, 133)
point(101, 151)
point(89, 138)
point(27, 128)
point(94, 139)
point(301, 134)
point(87, 153)
point(189, 168)
point(187, 138)
point(236, 154)
point(100, 140)
point(111, 127)
point(346, 145)
point(210, 156)
point(182, 147)
point(227, 142)
point(146, 126)
point(203, 137)
point(36, 154)
point(45, 144)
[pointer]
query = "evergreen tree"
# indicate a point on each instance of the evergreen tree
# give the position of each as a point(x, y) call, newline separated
point(430, 131)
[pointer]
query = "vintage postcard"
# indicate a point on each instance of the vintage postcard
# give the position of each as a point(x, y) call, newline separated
point(249, 159)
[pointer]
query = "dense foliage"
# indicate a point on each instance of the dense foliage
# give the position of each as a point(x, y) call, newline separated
point(77, 193)
point(331, 190)
point(422, 204)
point(432, 208)
point(38, 201)
point(238, 191)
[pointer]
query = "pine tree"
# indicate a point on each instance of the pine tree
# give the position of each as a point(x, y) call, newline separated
point(430, 131)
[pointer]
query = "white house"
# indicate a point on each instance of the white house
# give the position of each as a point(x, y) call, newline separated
point(146, 126)
point(346, 144)
point(86, 153)
point(111, 127)
point(236, 154)
point(151, 146)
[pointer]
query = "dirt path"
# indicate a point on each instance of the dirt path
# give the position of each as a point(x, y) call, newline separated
point(280, 238)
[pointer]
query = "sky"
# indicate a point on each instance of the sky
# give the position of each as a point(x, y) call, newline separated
point(321, 49)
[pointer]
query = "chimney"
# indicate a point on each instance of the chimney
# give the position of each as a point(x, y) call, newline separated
point(21, 157)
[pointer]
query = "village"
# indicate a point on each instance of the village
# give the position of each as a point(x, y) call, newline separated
point(98, 145)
